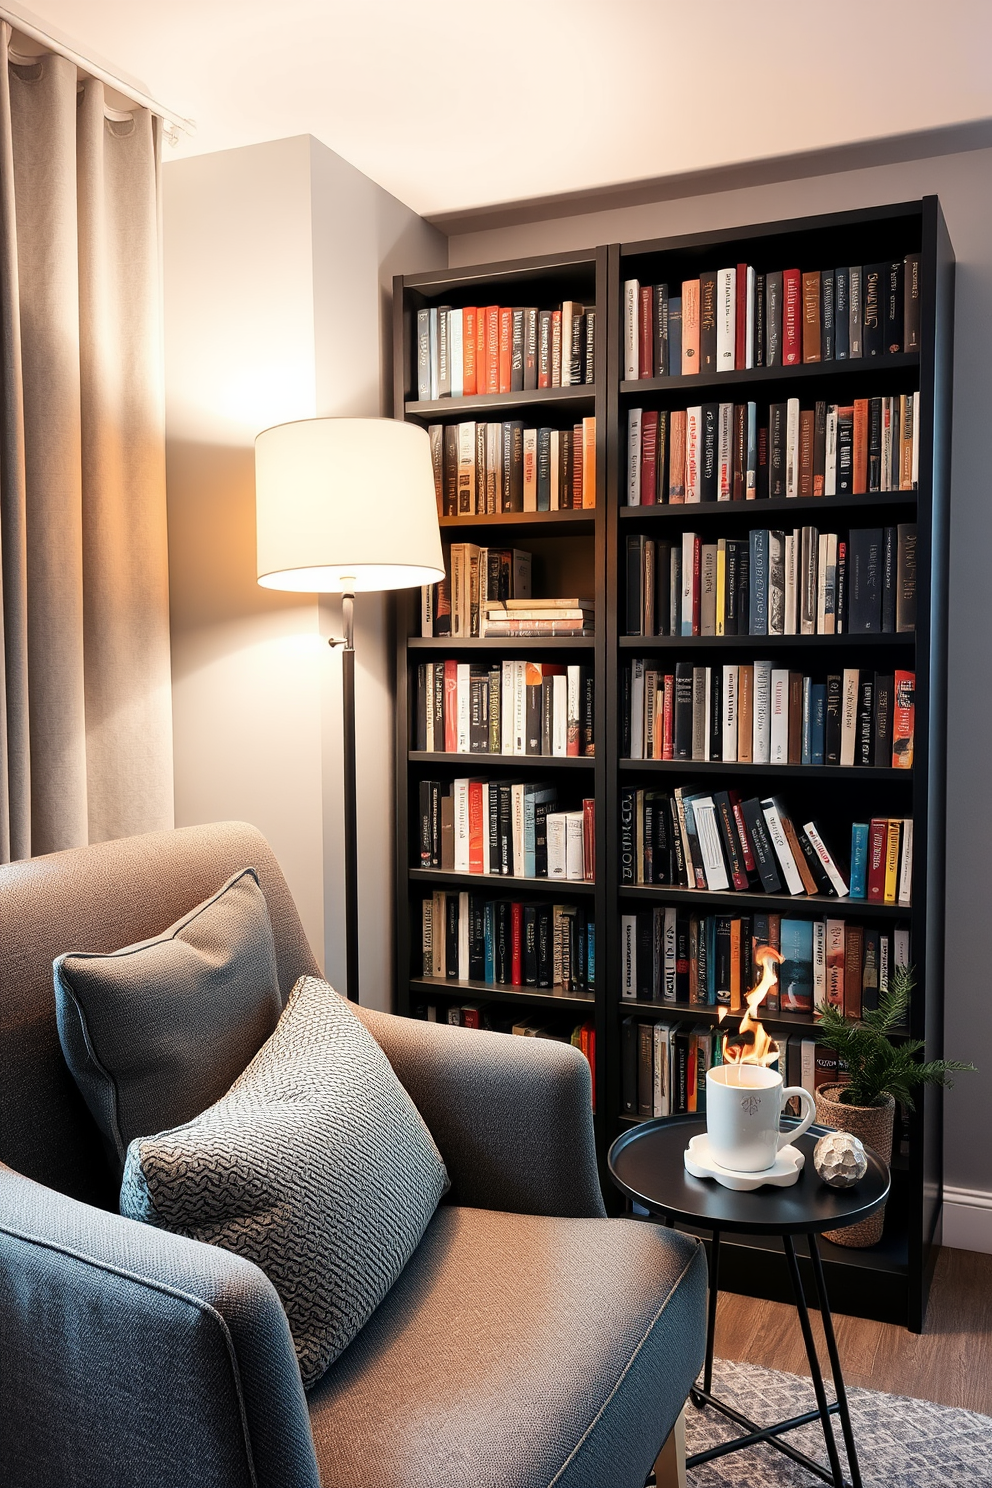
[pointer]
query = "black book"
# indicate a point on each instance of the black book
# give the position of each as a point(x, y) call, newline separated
point(731, 586)
point(529, 946)
point(841, 606)
point(683, 710)
point(648, 799)
point(845, 451)
point(625, 687)
point(743, 587)
point(645, 956)
point(628, 836)
point(587, 727)
point(874, 444)
point(683, 958)
point(761, 846)
point(834, 719)
point(578, 348)
point(661, 368)
point(819, 447)
point(547, 716)
point(863, 736)
point(911, 303)
point(635, 584)
point(544, 469)
point(476, 938)
point(864, 606)
point(777, 420)
point(773, 319)
point(874, 281)
point(430, 823)
point(534, 693)
point(680, 1072)
point(759, 320)
point(714, 744)
point(645, 1069)
point(589, 371)
point(680, 874)
point(513, 466)
point(709, 462)
point(721, 959)
point(842, 312)
point(894, 332)
point(882, 732)
point(628, 1065)
point(530, 348)
point(707, 322)
point(906, 577)
point(827, 316)
point(731, 838)
point(890, 563)
point(504, 857)
point(541, 809)
point(517, 349)
point(545, 945)
point(503, 942)
point(478, 709)
point(450, 470)
point(663, 588)
point(662, 854)
point(870, 967)
point(565, 469)
point(820, 875)
point(451, 918)
point(422, 706)
point(493, 828)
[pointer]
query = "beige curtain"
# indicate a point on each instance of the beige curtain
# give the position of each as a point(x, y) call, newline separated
point(85, 702)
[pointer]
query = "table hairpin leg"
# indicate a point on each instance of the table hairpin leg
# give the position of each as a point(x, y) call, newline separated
point(819, 1281)
point(814, 1362)
point(697, 1396)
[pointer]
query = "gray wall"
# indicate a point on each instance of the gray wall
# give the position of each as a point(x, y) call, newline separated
point(964, 184)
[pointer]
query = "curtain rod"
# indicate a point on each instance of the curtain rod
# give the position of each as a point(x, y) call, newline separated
point(174, 122)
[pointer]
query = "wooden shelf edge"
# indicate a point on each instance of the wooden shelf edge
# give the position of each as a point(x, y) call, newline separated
point(775, 903)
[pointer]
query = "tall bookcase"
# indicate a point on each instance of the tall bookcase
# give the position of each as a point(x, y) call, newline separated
point(584, 551)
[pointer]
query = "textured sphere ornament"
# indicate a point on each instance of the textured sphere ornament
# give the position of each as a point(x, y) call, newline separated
point(839, 1159)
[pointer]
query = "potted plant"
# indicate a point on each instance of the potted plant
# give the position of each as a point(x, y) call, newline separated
point(875, 1074)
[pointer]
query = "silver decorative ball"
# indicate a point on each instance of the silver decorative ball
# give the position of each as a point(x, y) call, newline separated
point(839, 1159)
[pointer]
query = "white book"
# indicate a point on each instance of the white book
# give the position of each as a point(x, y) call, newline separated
point(463, 928)
point(427, 610)
point(791, 584)
point(519, 707)
point(557, 843)
point(780, 843)
point(848, 715)
point(819, 963)
point(885, 484)
point(506, 708)
point(637, 708)
point(900, 947)
point(693, 431)
point(634, 456)
point(433, 340)
point(762, 714)
point(555, 444)
point(780, 717)
point(830, 456)
point(710, 845)
point(670, 949)
point(574, 846)
point(494, 469)
point(631, 327)
point(662, 1104)
point(707, 592)
point(628, 955)
point(466, 469)
point(707, 711)
point(485, 827)
point(573, 705)
point(821, 583)
point(749, 320)
point(820, 848)
point(807, 1065)
point(792, 447)
point(905, 889)
point(688, 564)
point(567, 311)
point(517, 807)
point(559, 716)
point(830, 586)
point(463, 707)
point(776, 583)
point(726, 319)
point(725, 446)
point(728, 694)
point(459, 791)
point(456, 356)
point(530, 470)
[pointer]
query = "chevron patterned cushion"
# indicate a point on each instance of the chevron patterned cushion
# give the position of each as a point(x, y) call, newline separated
point(316, 1165)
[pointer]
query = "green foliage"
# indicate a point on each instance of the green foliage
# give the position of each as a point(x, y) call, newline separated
point(876, 1067)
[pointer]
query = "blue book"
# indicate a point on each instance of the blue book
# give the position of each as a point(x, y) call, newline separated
point(818, 723)
point(795, 975)
point(675, 335)
point(591, 956)
point(859, 861)
point(489, 938)
point(842, 312)
point(807, 720)
point(533, 796)
point(758, 578)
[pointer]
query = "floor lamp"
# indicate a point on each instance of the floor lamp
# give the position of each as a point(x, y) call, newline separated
point(345, 506)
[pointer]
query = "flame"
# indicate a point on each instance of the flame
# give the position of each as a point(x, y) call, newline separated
point(751, 1044)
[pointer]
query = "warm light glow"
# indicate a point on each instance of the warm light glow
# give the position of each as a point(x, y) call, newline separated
point(751, 1044)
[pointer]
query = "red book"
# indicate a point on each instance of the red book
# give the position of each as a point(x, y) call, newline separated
point(451, 707)
point(746, 849)
point(903, 720)
point(505, 348)
point(740, 334)
point(577, 451)
point(854, 940)
point(792, 318)
point(470, 316)
point(668, 718)
point(589, 839)
point(649, 457)
point(492, 348)
point(470, 1015)
point(516, 944)
point(645, 340)
point(860, 461)
point(877, 837)
point(481, 320)
point(476, 825)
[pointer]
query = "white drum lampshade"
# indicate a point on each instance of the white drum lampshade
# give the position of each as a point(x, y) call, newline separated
point(344, 505)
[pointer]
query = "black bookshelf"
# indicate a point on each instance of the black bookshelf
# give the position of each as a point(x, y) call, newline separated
point(889, 1282)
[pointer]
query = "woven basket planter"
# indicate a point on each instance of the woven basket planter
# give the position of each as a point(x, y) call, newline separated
point(872, 1125)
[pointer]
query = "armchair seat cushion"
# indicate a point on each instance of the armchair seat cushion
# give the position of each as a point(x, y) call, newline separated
point(518, 1351)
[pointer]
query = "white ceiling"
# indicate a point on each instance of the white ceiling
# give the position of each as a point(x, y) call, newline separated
point(451, 104)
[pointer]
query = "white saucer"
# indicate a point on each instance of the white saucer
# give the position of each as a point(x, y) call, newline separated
point(785, 1170)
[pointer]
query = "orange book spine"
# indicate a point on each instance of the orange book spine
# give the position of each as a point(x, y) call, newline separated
point(492, 349)
point(475, 826)
point(470, 316)
point(903, 720)
point(676, 458)
point(589, 463)
point(860, 472)
point(505, 348)
point(811, 317)
point(690, 326)
point(578, 451)
point(745, 715)
point(736, 999)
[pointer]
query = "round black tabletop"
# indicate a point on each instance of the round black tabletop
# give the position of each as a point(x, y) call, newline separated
point(647, 1164)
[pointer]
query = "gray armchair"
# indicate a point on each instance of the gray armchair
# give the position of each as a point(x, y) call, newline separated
point(530, 1341)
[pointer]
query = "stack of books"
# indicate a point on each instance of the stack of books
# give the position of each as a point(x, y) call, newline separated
point(484, 469)
point(499, 349)
point(473, 576)
point(538, 617)
point(505, 828)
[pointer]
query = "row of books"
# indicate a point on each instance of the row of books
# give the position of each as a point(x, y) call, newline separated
point(482, 349)
point(722, 452)
point(484, 469)
point(731, 319)
point(495, 1018)
point(774, 583)
point(672, 956)
point(718, 841)
point(505, 707)
point(505, 829)
point(508, 943)
point(761, 714)
point(486, 592)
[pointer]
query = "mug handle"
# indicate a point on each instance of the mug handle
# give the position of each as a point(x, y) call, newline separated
point(808, 1105)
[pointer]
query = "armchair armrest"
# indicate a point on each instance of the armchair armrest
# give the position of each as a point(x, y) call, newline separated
point(512, 1117)
point(132, 1356)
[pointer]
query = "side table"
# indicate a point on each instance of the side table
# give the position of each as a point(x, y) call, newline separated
point(646, 1163)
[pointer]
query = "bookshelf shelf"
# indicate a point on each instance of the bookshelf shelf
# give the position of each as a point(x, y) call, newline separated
point(584, 552)
point(450, 987)
point(781, 1021)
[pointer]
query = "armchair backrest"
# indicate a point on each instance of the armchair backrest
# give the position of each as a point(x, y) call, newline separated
point(98, 899)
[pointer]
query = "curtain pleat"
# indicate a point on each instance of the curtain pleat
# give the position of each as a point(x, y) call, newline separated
point(87, 728)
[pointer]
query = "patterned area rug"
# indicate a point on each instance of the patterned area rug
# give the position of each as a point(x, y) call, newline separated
point(902, 1443)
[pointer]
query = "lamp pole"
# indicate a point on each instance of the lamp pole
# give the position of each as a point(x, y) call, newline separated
point(347, 642)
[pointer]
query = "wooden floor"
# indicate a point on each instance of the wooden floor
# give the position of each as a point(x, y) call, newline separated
point(951, 1363)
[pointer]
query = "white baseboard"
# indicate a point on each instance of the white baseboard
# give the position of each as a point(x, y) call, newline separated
point(968, 1219)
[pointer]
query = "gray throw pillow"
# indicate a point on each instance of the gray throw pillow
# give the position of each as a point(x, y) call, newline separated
point(155, 1032)
point(316, 1165)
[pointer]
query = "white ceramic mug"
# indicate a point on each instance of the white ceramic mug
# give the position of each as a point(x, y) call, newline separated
point(744, 1104)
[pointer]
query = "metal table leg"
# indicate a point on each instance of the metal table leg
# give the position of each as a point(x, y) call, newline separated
point(828, 1329)
point(713, 1292)
point(814, 1362)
